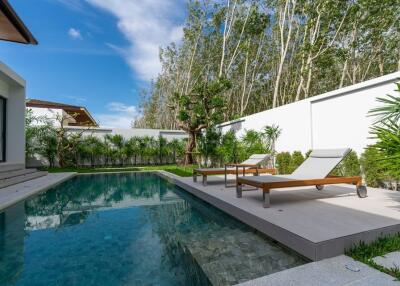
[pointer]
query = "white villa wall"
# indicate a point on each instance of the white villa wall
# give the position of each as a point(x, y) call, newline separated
point(12, 87)
point(49, 113)
point(331, 120)
point(130, 132)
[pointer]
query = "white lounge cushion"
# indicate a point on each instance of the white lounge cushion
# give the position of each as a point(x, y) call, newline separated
point(257, 159)
point(317, 166)
point(320, 163)
point(271, 178)
point(330, 153)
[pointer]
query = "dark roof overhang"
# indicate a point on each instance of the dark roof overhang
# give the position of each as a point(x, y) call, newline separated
point(11, 26)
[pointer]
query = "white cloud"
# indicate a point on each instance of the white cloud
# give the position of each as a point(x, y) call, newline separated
point(74, 33)
point(120, 115)
point(147, 25)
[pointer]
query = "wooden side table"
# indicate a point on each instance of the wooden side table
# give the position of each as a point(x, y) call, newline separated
point(237, 166)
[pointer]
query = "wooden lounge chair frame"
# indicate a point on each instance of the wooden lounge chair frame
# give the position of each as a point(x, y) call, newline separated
point(255, 170)
point(314, 171)
point(318, 183)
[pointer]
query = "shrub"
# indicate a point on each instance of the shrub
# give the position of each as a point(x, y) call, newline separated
point(371, 163)
point(208, 145)
point(386, 131)
point(283, 162)
point(297, 160)
point(230, 150)
point(350, 166)
point(253, 143)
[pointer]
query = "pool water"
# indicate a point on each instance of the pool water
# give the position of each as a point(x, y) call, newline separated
point(130, 229)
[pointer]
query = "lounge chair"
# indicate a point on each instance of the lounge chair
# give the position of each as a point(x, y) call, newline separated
point(314, 171)
point(249, 166)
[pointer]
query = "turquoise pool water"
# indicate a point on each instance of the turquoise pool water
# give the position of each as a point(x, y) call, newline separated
point(130, 229)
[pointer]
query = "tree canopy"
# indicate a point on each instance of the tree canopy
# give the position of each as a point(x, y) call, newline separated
point(271, 52)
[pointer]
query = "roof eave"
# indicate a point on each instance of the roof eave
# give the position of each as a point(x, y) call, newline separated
point(12, 16)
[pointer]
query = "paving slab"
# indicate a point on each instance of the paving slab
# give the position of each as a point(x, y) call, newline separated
point(316, 224)
point(328, 272)
point(18, 192)
point(389, 260)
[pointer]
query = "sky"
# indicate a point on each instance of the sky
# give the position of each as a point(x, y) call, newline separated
point(95, 53)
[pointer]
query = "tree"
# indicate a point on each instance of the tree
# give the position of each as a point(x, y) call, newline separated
point(177, 147)
point(208, 144)
point(272, 134)
point(199, 109)
point(273, 53)
point(231, 149)
point(40, 137)
point(253, 143)
point(133, 148)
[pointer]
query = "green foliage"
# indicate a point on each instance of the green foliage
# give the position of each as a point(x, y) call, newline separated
point(208, 144)
point(200, 108)
point(284, 162)
point(230, 149)
point(390, 108)
point(296, 160)
point(41, 137)
point(203, 105)
point(113, 150)
point(386, 131)
point(252, 142)
point(330, 44)
point(350, 166)
point(371, 163)
point(365, 252)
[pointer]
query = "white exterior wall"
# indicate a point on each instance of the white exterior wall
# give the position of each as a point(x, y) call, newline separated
point(49, 113)
point(127, 133)
point(12, 87)
point(331, 120)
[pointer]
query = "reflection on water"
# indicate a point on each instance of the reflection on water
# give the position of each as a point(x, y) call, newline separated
point(129, 229)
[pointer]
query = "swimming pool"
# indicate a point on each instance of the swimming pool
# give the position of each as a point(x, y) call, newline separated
point(130, 229)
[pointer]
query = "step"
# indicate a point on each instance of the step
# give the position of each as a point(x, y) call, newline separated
point(15, 173)
point(22, 178)
point(6, 167)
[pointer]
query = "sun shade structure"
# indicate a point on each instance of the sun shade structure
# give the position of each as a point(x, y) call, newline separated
point(79, 115)
point(314, 171)
point(11, 26)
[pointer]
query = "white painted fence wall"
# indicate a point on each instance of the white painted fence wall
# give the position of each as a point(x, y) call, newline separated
point(331, 120)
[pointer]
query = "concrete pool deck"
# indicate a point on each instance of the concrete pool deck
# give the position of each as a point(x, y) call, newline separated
point(338, 271)
point(13, 194)
point(316, 224)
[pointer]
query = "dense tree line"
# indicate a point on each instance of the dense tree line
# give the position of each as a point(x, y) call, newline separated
point(240, 57)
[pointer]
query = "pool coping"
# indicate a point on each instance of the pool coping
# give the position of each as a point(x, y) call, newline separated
point(14, 194)
point(313, 250)
point(288, 239)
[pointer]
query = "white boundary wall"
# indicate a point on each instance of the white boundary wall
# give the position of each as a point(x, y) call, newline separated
point(334, 119)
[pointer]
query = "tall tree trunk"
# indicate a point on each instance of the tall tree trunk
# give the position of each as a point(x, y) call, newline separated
point(284, 43)
point(190, 146)
point(343, 73)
